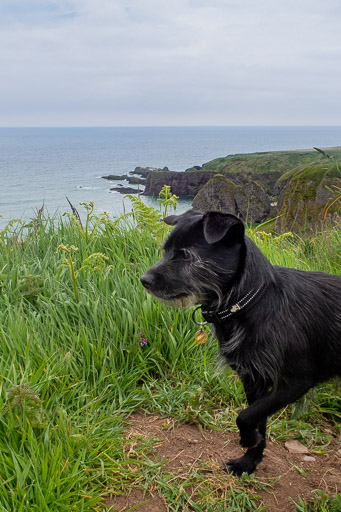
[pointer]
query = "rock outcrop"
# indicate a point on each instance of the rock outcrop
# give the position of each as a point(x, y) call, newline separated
point(145, 171)
point(183, 184)
point(125, 190)
point(138, 176)
point(218, 194)
point(249, 201)
point(254, 204)
point(130, 178)
point(310, 198)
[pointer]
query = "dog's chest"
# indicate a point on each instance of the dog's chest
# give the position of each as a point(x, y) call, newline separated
point(246, 354)
point(230, 342)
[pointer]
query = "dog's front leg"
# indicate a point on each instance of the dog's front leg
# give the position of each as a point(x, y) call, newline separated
point(249, 419)
point(255, 438)
point(252, 424)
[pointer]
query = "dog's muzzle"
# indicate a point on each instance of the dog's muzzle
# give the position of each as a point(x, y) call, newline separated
point(176, 301)
point(147, 281)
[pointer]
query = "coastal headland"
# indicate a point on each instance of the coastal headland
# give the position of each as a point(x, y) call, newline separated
point(295, 186)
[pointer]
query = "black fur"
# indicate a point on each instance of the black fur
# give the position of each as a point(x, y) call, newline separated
point(282, 343)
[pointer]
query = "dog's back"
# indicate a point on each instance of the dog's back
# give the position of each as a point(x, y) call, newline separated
point(312, 302)
point(293, 331)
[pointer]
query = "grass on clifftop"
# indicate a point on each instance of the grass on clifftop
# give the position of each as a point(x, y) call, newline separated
point(83, 346)
point(272, 161)
point(316, 172)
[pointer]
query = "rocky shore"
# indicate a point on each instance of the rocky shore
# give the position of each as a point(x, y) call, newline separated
point(137, 177)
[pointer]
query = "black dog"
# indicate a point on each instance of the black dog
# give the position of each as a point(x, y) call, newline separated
point(279, 328)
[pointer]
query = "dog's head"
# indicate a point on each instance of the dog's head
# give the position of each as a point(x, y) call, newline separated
point(202, 257)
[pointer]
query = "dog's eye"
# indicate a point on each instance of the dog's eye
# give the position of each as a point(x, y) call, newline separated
point(185, 254)
point(181, 254)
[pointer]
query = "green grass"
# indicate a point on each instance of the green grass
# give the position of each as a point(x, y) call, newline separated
point(321, 503)
point(72, 369)
point(274, 161)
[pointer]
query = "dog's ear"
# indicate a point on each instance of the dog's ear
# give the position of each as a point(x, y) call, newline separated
point(217, 225)
point(172, 220)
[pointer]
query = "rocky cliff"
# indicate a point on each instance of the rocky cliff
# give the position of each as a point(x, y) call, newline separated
point(310, 198)
point(183, 184)
point(264, 168)
point(249, 202)
point(305, 184)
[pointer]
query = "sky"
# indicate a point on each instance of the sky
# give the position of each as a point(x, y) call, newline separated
point(170, 63)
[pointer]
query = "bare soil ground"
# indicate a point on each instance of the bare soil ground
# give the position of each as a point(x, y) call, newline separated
point(183, 448)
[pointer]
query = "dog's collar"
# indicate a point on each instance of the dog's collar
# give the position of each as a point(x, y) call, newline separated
point(215, 317)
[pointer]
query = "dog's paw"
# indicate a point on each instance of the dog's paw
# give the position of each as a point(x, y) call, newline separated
point(246, 464)
point(250, 438)
point(239, 466)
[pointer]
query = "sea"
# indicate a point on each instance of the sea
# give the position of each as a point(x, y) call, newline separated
point(43, 166)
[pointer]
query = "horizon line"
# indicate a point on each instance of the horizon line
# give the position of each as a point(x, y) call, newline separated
point(181, 126)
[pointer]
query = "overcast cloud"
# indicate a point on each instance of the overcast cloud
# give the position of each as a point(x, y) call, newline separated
point(180, 62)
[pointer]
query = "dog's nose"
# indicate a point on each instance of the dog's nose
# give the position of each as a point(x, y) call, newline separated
point(147, 281)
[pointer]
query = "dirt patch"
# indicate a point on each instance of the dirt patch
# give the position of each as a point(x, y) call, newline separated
point(184, 449)
point(143, 502)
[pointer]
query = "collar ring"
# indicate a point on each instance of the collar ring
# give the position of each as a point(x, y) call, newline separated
point(193, 317)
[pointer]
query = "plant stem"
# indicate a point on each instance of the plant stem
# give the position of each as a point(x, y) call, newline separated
point(74, 278)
